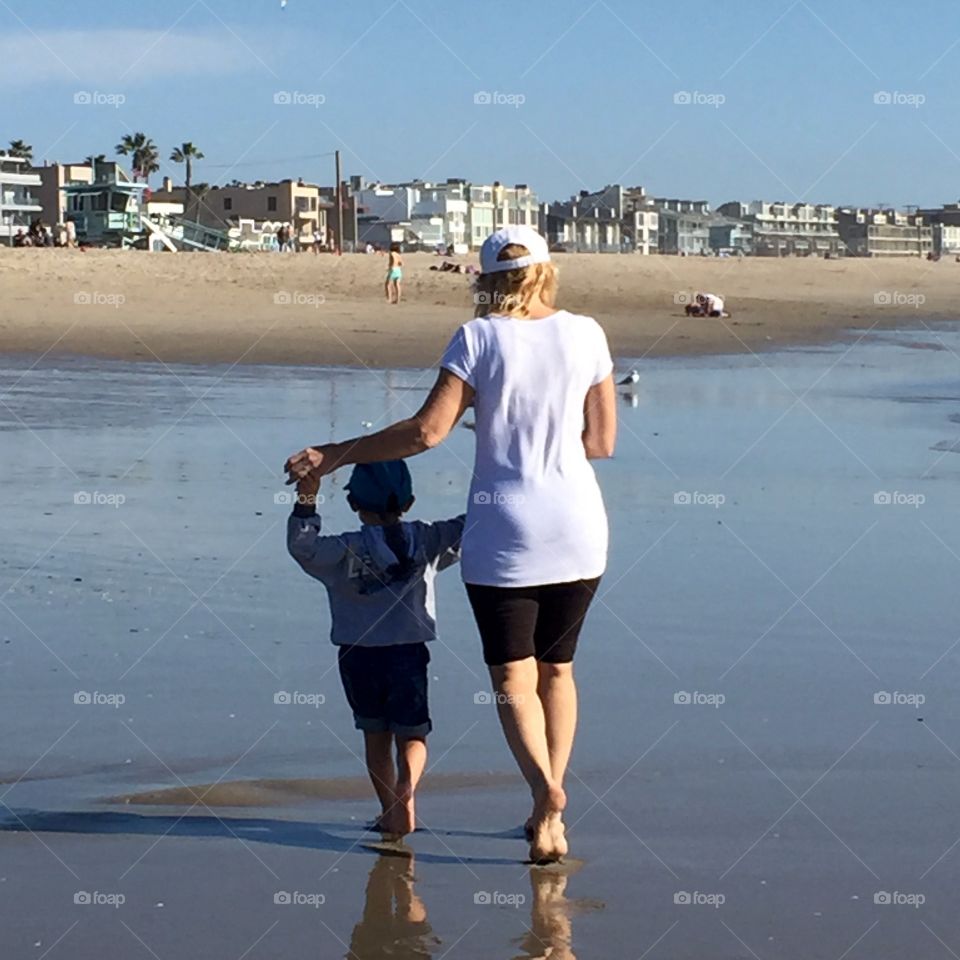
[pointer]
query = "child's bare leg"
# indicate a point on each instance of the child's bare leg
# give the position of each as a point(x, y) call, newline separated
point(383, 774)
point(398, 288)
point(411, 761)
point(386, 291)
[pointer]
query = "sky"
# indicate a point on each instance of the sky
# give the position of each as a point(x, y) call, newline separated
point(850, 102)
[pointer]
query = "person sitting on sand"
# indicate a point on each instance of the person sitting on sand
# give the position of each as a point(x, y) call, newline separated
point(706, 305)
point(394, 282)
point(380, 584)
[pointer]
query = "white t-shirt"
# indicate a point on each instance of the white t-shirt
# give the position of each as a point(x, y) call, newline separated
point(535, 514)
point(713, 303)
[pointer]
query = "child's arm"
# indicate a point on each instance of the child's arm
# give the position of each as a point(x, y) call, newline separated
point(315, 553)
point(443, 544)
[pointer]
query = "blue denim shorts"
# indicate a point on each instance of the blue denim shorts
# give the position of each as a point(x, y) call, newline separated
point(386, 688)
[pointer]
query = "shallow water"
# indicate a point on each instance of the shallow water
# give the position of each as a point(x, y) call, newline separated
point(733, 672)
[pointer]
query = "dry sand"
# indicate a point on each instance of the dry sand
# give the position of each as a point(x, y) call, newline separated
point(263, 308)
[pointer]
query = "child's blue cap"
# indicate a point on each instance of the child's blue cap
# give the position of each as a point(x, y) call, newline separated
point(381, 487)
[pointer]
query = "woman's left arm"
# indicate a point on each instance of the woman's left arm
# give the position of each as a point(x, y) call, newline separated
point(427, 428)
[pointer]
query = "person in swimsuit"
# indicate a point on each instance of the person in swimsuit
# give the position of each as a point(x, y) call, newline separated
point(393, 286)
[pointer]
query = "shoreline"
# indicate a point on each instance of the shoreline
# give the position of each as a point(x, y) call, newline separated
point(302, 310)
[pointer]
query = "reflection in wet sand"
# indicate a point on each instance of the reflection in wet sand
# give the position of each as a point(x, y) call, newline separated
point(394, 922)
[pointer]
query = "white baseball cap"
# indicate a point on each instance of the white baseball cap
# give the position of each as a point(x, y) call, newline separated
point(521, 236)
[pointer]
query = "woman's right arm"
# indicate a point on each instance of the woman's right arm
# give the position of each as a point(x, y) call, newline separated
point(439, 414)
point(600, 420)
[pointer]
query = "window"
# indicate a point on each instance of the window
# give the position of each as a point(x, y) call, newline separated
point(272, 204)
point(228, 203)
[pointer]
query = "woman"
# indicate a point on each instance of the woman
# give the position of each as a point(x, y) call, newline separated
point(535, 540)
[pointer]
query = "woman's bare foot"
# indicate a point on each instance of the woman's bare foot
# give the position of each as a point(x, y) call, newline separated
point(548, 843)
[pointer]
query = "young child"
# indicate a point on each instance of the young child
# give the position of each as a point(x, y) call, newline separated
point(393, 285)
point(380, 583)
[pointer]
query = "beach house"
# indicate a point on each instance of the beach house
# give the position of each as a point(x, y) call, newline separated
point(107, 209)
point(19, 205)
point(616, 219)
point(684, 226)
point(269, 206)
point(52, 193)
point(418, 213)
point(788, 229)
point(945, 223)
point(884, 233)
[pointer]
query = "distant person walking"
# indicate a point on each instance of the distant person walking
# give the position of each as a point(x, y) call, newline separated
point(535, 539)
point(393, 285)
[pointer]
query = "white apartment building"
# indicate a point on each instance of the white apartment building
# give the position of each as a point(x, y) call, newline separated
point(19, 206)
point(789, 229)
point(454, 213)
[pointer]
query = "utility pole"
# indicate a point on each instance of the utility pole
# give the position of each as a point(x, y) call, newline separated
point(339, 206)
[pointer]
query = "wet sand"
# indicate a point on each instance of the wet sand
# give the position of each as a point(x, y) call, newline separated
point(755, 774)
point(301, 309)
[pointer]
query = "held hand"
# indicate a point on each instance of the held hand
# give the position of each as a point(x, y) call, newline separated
point(308, 488)
point(312, 460)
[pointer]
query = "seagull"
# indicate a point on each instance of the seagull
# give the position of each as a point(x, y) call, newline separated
point(630, 379)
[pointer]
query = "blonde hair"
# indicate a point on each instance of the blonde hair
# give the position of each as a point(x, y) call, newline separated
point(512, 291)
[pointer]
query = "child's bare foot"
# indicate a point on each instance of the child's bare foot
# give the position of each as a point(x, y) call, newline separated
point(403, 819)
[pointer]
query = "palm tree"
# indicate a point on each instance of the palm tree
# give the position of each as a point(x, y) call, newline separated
point(187, 153)
point(20, 149)
point(145, 158)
